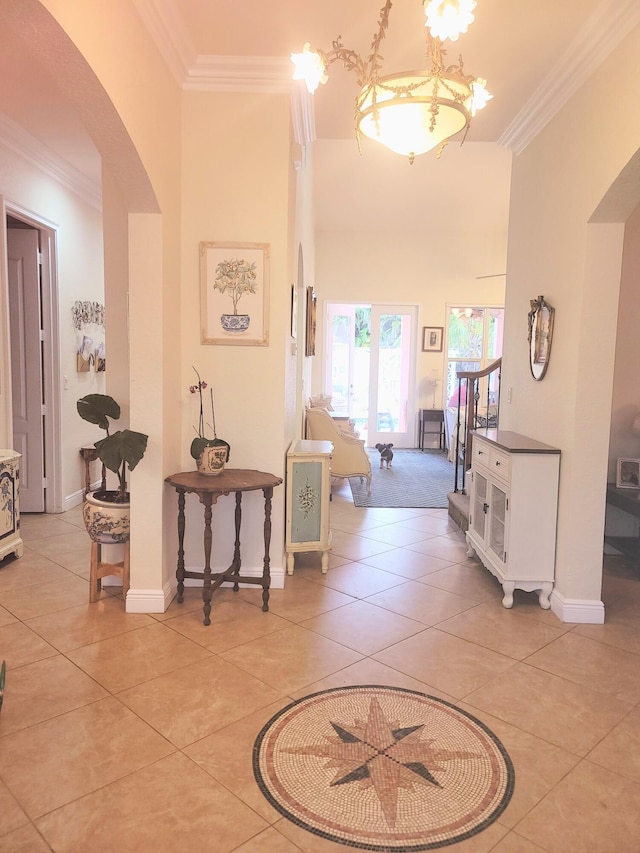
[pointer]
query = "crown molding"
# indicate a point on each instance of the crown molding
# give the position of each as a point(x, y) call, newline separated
point(267, 74)
point(168, 30)
point(600, 34)
point(18, 140)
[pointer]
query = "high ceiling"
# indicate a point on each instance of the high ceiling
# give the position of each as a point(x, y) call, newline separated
point(512, 43)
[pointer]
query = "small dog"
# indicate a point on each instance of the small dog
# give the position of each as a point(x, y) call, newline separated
point(386, 454)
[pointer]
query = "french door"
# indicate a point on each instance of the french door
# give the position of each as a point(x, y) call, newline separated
point(370, 370)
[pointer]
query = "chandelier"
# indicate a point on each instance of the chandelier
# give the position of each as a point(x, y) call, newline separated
point(411, 112)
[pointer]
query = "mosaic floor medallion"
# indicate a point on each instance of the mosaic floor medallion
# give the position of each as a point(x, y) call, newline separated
point(383, 768)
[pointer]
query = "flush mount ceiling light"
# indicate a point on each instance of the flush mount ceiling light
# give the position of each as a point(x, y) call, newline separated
point(411, 112)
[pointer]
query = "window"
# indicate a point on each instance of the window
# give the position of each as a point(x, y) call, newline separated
point(474, 340)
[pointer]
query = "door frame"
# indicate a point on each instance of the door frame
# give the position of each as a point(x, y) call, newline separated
point(53, 502)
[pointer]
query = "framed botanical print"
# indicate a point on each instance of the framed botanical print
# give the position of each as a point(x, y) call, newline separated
point(234, 293)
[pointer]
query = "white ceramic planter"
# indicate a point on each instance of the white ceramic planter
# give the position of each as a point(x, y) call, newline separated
point(107, 523)
point(212, 460)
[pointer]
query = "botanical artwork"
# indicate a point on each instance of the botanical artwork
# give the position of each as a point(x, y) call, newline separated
point(89, 317)
point(234, 291)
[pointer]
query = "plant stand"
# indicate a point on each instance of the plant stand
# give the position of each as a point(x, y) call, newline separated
point(101, 570)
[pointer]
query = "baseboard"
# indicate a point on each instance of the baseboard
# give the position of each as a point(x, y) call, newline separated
point(150, 600)
point(157, 600)
point(580, 611)
point(72, 501)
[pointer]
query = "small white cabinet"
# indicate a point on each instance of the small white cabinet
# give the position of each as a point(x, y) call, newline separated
point(10, 541)
point(308, 495)
point(513, 511)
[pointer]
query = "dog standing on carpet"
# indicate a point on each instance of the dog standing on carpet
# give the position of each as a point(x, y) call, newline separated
point(386, 454)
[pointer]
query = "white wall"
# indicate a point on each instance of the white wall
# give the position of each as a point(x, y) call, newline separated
point(236, 169)
point(419, 235)
point(626, 389)
point(554, 251)
point(80, 274)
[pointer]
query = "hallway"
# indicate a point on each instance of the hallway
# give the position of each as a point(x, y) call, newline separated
point(132, 732)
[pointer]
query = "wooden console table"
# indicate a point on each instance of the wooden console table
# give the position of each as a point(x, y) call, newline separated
point(209, 489)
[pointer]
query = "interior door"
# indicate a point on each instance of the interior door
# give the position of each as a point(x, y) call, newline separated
point(26, 363)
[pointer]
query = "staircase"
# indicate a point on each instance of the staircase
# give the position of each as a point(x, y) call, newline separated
point(478, 408)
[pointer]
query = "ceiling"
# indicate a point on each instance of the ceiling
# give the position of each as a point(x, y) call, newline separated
point(227, 44)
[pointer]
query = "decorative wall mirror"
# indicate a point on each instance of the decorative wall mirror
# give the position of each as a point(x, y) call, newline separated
point(540, 335)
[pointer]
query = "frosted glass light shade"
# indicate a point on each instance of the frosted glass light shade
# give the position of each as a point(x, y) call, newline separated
point(413, 112)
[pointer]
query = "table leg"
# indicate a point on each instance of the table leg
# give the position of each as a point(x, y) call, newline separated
point(207, 586)
point(266, 570)
point(236, 548)
point(180, 567)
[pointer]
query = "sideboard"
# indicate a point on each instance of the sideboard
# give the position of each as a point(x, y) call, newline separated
point(10, 541)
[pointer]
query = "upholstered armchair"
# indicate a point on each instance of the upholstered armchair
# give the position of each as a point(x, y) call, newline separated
point(349, 458)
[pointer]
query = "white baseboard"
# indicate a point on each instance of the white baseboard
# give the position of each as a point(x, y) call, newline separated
point(157, 600)
point(580, 611)
point(72, 501)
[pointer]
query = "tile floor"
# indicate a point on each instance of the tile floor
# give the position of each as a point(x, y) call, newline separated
point(125, 732)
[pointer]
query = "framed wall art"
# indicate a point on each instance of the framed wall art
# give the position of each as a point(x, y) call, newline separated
point(310, 338)
point(234, 293)
point(540, 336)
point(432, 338)
point(628, 474)
point(294, 311)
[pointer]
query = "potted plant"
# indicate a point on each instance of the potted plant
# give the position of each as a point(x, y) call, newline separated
point(106, 513)
point(235, 277)
point(211, 454)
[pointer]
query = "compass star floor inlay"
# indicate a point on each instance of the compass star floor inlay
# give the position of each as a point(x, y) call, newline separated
point(383, 768)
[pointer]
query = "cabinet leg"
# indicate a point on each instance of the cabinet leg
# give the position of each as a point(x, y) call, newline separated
point(290, 563)
point(471, 551)
point(508, 587)
point(543, 596)
point(325, 562)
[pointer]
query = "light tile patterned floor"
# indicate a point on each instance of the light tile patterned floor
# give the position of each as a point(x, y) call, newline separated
point(124, 732)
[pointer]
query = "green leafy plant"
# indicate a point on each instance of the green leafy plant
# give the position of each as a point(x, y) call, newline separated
point(119, 450)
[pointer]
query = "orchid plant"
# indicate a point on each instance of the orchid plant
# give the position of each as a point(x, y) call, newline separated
point(201, 441)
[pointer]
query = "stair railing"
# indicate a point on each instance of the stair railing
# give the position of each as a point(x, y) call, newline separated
point(476, 415)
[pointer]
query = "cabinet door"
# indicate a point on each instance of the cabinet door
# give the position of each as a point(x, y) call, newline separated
point(479, 505)
point(497, 521)
point(306, 506)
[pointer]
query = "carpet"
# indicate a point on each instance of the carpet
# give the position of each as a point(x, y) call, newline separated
point(383, 768)
point(417, 478)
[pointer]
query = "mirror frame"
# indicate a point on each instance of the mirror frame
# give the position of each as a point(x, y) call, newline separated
point(540, 319)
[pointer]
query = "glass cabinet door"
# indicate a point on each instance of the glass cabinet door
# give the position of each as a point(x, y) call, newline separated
point(479, 508)
point(498, 519)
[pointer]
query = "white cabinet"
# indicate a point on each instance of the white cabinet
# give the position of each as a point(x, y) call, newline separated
point(10, 541)
point(513, 511)
point(308, 496)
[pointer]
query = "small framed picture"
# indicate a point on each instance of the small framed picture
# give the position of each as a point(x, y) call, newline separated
point(628, 474)
point(432, 338)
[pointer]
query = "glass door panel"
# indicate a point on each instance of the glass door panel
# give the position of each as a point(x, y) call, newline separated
point(498, 519)
point(478, 511)
point(393, 331)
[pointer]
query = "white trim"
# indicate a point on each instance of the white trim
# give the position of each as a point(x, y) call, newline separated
point(578, 610)
point(264, 74)
point(598, 37)
point(167, 28)
point(51, 381)
point(16, 139)
point(149, 600)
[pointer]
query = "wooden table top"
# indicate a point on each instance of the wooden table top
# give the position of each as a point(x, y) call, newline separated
point(229, 480)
